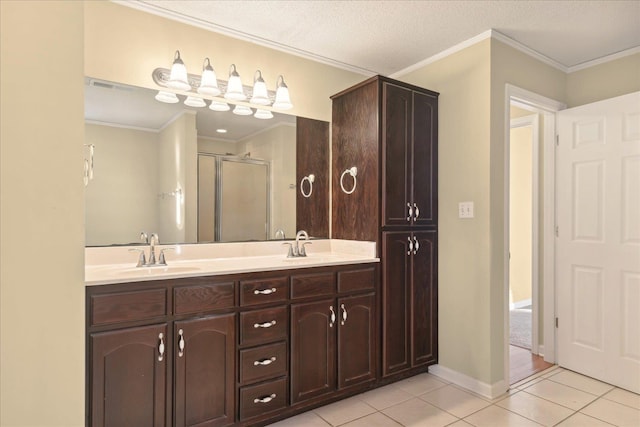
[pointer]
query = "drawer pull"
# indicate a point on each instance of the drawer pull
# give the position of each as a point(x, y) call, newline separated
point(161, 347)
point(344, 314)
point(265, 291)
point(264, 325)
point(265, 362)
point(181, 343)
point(265, 399)
point(417, 212)
point(332, 318)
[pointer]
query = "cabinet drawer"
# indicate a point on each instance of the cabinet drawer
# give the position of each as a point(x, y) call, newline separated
point(357, 280)
point(311, 285)
point(263, 398)
point(199, 298)
point(259, 326)
point(127, 306)
point(261, 363)
point(263, 291)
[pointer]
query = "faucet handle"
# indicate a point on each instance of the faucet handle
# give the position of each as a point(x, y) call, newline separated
point(161, 259)
point(142, 261)
point(290, 254)
point(303, 252)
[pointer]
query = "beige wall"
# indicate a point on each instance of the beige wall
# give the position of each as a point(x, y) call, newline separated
point(42, 214)
point(604, 81)
point(120, 201)
point(143, 42)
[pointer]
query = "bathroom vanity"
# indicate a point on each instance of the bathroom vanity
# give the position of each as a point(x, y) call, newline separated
point(240, 340)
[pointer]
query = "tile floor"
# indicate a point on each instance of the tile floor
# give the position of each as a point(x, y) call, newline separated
point(554, 397)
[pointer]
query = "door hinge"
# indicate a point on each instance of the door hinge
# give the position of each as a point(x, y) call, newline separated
point(557, 231)
point(558, 140)
point(556, 322)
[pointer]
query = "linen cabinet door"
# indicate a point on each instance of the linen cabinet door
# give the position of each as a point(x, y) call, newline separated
point(205, 371)
point(356, 340)
point(313, 349)
point(396, 297)
point(424, 161)
point(128, 377)
point(425, 299)
point(396, 152)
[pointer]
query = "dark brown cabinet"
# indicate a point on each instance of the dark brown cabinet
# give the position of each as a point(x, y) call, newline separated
point(389, 131)
point(129, 381)
point(204, 367)
point(333, 340)
point(409, 300)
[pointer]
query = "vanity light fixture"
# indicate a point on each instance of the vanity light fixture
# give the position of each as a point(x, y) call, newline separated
point(263, 114)
point(167, 97)
point(178, 78)
point(234, 86)
point(282, 102)
point(208, 81)
point(242, 110)
point(194, 101)
point(219, 106)
point(260, 95)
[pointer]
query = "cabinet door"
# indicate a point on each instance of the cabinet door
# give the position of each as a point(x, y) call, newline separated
point(396, 154)
point(313, 349)
point(396, 308)
point(128, 378)
point(205, 371)
point(424, 160)
point(424, 299)
point(356, 340)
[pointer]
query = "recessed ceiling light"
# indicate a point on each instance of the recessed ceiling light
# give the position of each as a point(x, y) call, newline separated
point(221, 130)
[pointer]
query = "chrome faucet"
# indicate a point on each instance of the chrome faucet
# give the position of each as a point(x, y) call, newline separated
point(152, 242)
point(280, 234)
point(299, 250)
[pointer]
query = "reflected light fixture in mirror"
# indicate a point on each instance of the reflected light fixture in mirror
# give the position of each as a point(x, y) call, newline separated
point(194, 101)
point(242, 110)
point(219, 106)
point(263, 114)
point(167, 97)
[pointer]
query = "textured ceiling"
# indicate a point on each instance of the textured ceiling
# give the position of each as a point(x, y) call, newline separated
point(386, 37)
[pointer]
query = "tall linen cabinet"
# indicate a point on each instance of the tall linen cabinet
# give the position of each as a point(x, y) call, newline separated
point(388, 131)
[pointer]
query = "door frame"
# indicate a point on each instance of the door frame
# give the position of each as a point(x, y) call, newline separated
point(533, 121)
point(548, 108)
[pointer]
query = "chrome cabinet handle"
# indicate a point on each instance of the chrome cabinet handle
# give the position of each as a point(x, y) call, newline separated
point(410, 214)
point(410, 246)
point(416, 245)
point(417, 211)
point(344, 314)
point(333, 317)
point(265, 399)
point(264, 362)
point(180, 343)
point(264, 291)
point(161, 347)
point(264, 325)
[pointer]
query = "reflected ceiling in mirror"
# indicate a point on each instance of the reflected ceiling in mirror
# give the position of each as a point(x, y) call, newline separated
point(146, 175)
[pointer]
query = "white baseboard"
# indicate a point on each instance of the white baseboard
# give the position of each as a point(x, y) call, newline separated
point(541, 350)
point(519, 304)
point(490, 391)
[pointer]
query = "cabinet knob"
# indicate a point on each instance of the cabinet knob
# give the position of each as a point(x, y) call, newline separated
point(265, 399)
point(161, 347)
point(264, 325)
point(180, 343)
point(264, 291)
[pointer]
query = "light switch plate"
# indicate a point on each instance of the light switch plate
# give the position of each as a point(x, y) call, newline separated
point(465, 210)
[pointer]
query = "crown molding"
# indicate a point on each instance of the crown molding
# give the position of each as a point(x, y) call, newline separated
point(119, 125)
point(230, 32)
point(604, 59)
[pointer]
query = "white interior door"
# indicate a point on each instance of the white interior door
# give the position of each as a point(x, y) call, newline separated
point(598, 244)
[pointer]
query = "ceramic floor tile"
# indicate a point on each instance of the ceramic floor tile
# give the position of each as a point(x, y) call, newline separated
point(344, 411)
point(625, 397)
point(561, 394)
point(553, 371)
point(460, 423)
point(373, 420)
point(307, 419)
point(495, 416)
point(384, 397)
point(537, 409)
point(581, 382)
point(582, 420)
point(526, 383)
point(455, 401)
point(420, 384)
point(418, 413)
point(613, 413)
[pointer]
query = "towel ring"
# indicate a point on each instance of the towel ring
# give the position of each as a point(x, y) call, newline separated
point(353, 172)
point(309, 178)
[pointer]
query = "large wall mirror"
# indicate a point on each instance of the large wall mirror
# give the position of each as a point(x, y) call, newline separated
point(169, 169)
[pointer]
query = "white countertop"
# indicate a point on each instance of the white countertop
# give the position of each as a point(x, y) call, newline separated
point(108, 265)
